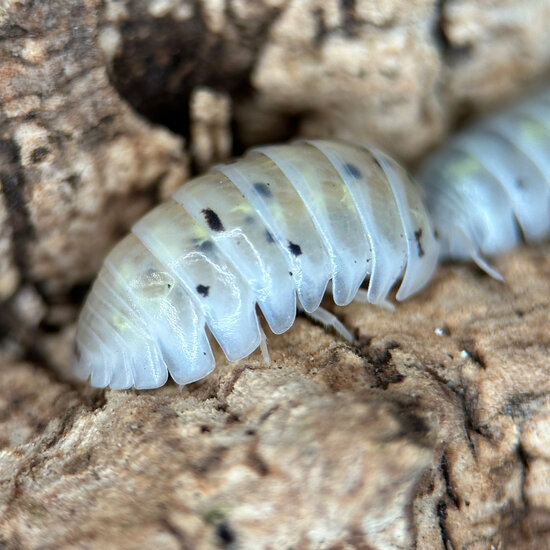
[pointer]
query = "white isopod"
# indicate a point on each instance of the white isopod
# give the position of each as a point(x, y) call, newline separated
point(275, 227)
point(488, 188)
point(271, 229)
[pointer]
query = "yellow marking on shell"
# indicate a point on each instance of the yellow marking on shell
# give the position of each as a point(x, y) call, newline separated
point(200, 233)
point(345, 195)
point(464, 167)
point(279, 214)
point(243, 207)
point(119, 322)
point(533, 129)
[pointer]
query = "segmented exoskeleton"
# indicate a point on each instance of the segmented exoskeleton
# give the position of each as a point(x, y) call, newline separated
point(275, 227)
point(489, 186)
point(272, 229)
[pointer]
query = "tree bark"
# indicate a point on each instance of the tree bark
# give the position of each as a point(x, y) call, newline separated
point(430, 432)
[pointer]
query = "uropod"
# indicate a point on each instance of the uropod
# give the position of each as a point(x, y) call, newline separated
point(269, 230)
point(277, 228)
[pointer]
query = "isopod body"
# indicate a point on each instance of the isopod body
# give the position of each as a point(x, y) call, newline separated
point(488, 188)
point(271, 229)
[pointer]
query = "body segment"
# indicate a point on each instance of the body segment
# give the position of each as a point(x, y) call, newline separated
point(271, 229)
point(489, 187)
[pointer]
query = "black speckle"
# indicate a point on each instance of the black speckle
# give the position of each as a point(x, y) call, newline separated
point(249, 219)
point(225, 534)
point(377, 163)
point(169, 286)
point(441, 511)
point(444, 467)
point(520, 183)
point(452, 53)
point(469, 347)
point(436, 234)
point(269, 237)
point(350, 23)
point(382, 368)
point(294, 248)
point(203, 290)
point(39, 154)
point(212, 219)
point(290, 273)
point(263, 190)
point(352, 170)
point(321, 29)
point(418, 236)
point(73, 180)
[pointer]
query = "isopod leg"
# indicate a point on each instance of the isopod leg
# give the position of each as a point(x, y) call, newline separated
point(329, 320)
point(263, 347)
point(362, 297)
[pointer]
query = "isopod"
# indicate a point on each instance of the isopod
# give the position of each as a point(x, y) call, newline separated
point(488, 188)
point(273, 229)
point(269, 230)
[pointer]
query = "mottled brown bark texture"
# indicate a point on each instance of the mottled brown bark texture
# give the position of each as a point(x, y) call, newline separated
point(431, 431)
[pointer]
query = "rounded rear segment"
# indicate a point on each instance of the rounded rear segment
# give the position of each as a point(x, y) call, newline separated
point(138, 325)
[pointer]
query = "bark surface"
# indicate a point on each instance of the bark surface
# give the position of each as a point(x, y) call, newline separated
point(431, 431)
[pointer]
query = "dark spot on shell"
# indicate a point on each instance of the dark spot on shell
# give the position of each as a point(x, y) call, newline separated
point(294, 248)
point(263, 190)
point(249, 219)
point(269, 237)
point(40, 153)
point(203, 290)
point(352, 170)
point(377, 163)
point(520, 183)
point(418, 236)
point(206, 246)
point(212, 219)
point(290, 273)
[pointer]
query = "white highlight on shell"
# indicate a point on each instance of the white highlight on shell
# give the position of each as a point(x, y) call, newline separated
point(271, 229)
point(275, 227)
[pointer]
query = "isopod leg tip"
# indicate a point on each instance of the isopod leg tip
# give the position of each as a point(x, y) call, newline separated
point(485, 266)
